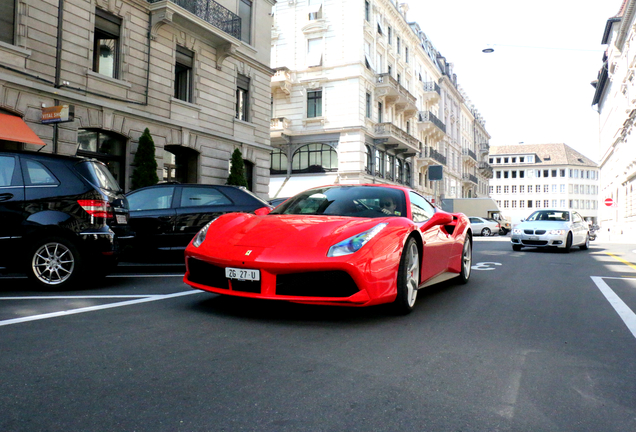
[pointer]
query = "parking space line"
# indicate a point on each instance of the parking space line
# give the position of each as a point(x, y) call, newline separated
point(625, 313)
point(99, 307)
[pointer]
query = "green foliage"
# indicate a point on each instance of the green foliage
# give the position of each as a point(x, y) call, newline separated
point(237, 171)
point(145, 163)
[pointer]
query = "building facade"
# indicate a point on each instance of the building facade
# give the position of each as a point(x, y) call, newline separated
point(360, 95)
point(615, 100)
point(196, 74)
point(530, 177)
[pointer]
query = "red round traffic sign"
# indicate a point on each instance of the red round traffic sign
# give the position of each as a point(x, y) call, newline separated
point(609, 202)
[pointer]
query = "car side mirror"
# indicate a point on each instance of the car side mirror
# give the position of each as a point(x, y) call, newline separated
point(263, 211)
point(439, 218)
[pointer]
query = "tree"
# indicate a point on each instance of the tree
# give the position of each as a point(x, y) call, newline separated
point(145, 163)
point(237, 170)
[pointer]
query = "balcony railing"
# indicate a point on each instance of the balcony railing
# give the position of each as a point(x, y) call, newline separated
point(431, 153)
point(432, 87)
point(213, 13)
point(470, 178)
point(469, 153)
point(383, 129)
point(427, 116)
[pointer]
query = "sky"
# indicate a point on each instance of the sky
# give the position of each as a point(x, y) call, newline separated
point(535, 87)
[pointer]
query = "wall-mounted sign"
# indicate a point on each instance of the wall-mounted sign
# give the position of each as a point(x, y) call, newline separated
point(435, 172)
point(58, 114)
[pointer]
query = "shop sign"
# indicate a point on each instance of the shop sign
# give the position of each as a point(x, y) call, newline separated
point(58, 114)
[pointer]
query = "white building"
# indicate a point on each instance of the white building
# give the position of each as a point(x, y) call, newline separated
point(615, 98)
point(361, 95)
point(530, 177)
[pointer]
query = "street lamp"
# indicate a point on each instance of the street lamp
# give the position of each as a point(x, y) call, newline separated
point(490, 48)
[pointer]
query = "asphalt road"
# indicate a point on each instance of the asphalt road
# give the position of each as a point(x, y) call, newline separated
point(537, 341)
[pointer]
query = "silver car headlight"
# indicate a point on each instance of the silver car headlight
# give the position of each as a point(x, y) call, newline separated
point(556, 232)
point(355, 243)
point(517, 231)
point(200, 237)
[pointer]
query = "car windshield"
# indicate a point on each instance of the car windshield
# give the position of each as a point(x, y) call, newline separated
point(355, 201)
point(550, 215)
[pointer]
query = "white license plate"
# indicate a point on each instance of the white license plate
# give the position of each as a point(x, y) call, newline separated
point(533, 238)
point(121, 219)
point(242, 274)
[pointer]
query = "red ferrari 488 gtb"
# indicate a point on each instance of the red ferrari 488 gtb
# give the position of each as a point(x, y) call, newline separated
point(357, 245)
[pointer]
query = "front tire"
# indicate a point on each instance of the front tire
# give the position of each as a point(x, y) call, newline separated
point(485, 232)
point(568, 244)
point(54, 262)
point(408, 278)
point(586, 245)
point(467, 260)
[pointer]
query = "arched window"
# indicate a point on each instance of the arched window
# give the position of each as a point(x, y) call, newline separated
point(106, 147)
point(389, 166)
point(407, 174)
point(399, 170)
point(278, 162)
point(369, 160)
point(315, 158)
point(378, 163)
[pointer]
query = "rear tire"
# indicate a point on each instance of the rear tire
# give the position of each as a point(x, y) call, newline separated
point(586, 245)
point(408, 278)
point(54, 262)
point(485, 232)
point(467, 260)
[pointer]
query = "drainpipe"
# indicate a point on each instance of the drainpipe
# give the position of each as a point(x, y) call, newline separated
point(58, 65)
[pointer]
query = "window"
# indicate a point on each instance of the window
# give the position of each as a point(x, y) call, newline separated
point(278, 161)
point(521, 159)
point(506, 189)
point(245, 13)
point(529, 203)
point(315, 10)
point(106, 44)
point(546, 173)
point(562, 188)
point(399, 170)
point(38, 175)
point(421, 210)
point(368, 106)
point(522, 174)
point(491, 189)
point(506, 204)
point(314, 103)
point(554, 203)
point(514, 160)
point(380, 110)
point(554, 188)
point(537, 189)
point(192, 196)
point(183, 74)
point(546, 203)
point(390, 165)
point(537, 203)
point(522, 189)
point(378, 163)
point(7, 24)
point(106, 147)
point(389, 34)
point(315, 158)
point(505, 174)
point(406, 54)
point(498, 160)
point(514, 203)
point(151, 199)
point(399, 45)
point(242, 97)
point(562, 203)
point(369, 160)
point(546, 188)
point(498, 189)
point(554, 173)
point(314, 52)
point(514, 174)
point(7, 170)
point(522, 204)
point(514, 189)
point(561, 173)
point(505, 160)
point(529, 188)
point(367, 10)
point(498, 174)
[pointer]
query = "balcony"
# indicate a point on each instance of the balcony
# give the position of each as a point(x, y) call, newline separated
point(484, 149)
point(485, 169)
point(431, 125)
point(432, 92)
point(469, 178)
point(392, 136)
point(282, 80)
point(393, 93)
point(208, 19)
point(279, 130)
point(469, 154)
point(432, 156)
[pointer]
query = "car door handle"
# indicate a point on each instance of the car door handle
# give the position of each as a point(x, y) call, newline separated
point(6, 196)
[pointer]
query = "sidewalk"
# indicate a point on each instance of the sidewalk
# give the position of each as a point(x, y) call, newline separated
point(603, 236)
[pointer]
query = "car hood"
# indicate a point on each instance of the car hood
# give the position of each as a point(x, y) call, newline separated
point(251, 237)
point(546, 225)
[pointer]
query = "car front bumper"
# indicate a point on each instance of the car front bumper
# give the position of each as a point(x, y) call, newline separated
point(544, 240)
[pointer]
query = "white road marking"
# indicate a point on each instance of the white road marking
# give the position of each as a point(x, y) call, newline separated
point(144, 276)
point(99, 307)
point(627, 315)
point(485, 265)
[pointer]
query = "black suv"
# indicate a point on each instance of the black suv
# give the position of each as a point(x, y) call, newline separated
point(61, 217)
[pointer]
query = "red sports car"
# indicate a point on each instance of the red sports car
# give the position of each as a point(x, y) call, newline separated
point(357, 245)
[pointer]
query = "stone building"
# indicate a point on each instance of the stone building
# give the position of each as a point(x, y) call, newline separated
point(195, 73)
point(615, 100)
point(534, 176)
point(361, 95)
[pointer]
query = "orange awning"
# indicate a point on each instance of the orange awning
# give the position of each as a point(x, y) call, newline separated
point(13, 128)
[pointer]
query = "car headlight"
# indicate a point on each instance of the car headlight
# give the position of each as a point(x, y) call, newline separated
point(517, 231)
point(355, 243)
point(556, 232)
point(198, 239)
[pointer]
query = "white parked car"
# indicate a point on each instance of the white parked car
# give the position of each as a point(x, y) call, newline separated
point(551, 228)
point(484, 226)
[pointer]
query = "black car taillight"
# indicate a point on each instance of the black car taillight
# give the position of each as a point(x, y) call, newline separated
point(97, 208)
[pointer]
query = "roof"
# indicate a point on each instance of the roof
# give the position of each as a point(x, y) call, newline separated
point(547, 154)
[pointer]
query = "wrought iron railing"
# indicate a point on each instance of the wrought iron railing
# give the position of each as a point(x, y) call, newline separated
point(430, 152)
point(212, 12)
point(427, 116)
point(432, 86)
point(469, 152)
point(470, 178)
point(391, 129)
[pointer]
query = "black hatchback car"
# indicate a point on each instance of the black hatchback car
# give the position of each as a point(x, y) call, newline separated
point(61, 217)
point(165, 217)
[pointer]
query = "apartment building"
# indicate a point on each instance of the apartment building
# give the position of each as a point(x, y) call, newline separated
point(615, 100)
point(530, 177)
point(195, 73)
point(360, 95)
